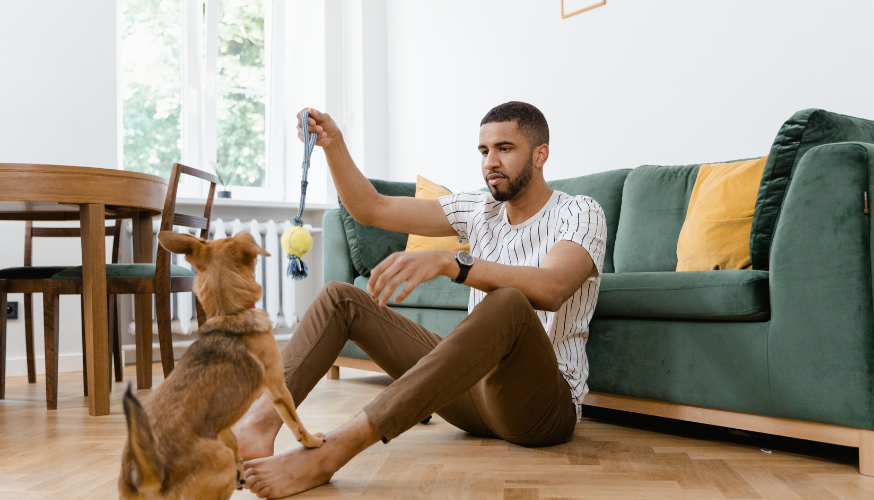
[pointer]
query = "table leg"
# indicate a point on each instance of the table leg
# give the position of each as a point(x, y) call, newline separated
point(92, 221)
point(142, 246)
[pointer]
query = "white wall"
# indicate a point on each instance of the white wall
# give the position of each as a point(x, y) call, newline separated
point(629, 83)
point(57, 106)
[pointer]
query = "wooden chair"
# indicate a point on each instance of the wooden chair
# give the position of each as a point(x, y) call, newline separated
point(143, 280)
point(30, 279)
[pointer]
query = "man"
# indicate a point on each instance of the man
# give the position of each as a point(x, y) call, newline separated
point(514, 369)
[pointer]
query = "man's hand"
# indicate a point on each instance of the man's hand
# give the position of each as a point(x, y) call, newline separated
point(413, 268)
point(321, 124)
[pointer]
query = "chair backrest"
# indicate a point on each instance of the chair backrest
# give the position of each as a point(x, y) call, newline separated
point(31, 232)
point(170, 218)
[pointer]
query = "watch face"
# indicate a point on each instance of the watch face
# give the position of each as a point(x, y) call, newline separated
point(464, 258)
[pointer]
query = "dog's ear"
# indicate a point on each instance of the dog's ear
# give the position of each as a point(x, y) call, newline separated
point(179, 243)
point(246, 244)
point(149, 473)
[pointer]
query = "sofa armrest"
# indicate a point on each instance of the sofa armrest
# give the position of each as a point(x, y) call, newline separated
point(821, 336)
point(336, 260)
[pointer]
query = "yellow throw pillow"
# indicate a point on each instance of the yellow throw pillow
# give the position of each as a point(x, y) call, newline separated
point(427, 190)
point(716, 233)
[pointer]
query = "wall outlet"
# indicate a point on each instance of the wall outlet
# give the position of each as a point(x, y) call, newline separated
point(12, 310)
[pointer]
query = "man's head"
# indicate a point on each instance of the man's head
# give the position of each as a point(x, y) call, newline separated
point(514, 139)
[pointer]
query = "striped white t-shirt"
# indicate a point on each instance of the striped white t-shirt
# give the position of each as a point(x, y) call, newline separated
point(482, 221)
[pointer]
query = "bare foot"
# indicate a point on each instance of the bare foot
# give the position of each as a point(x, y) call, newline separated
point(288, 473)
point(302, 469)
point(256, 431)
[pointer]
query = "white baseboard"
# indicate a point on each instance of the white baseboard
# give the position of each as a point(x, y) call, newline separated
point(129, 351)
point(17, 367)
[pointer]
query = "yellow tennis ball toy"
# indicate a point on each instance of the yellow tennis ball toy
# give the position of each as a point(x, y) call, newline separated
point(297, 241)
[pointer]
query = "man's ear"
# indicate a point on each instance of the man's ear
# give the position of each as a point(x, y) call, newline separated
point(246, 244)
point(179, 243)
point(541, 154)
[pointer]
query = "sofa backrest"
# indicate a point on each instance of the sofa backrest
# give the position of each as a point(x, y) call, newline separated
point(803, 131)
point(655, 198)
point(654, 203)
point(369, 245)
point(606, 189)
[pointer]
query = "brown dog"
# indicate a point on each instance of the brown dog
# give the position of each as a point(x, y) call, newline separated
point(181, 445)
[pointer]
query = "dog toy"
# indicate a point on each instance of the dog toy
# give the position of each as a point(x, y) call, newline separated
point(297, 241)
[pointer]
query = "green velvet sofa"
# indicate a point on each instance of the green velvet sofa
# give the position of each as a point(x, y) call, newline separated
point(786, 348)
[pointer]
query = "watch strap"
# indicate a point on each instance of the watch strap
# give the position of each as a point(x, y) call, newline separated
point(462, 273)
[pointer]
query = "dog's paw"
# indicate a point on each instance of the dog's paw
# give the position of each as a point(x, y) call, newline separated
point(240, 481)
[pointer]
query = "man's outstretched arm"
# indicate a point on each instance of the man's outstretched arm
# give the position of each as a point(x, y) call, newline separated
point(562, 273)
point(395, 213)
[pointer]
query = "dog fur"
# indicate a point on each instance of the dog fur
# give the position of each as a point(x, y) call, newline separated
point(180, 446)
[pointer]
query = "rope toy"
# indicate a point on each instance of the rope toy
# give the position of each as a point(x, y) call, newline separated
point(297, 241)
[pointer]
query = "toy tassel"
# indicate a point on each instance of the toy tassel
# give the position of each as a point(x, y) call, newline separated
point(297, 241)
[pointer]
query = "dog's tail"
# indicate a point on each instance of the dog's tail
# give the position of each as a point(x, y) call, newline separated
point(143, 452)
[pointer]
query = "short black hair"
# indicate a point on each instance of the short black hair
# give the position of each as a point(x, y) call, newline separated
point(529, 120)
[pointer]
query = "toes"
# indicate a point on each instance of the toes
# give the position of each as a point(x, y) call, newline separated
point(251, 481)
point(265, 493)
point(257, 487)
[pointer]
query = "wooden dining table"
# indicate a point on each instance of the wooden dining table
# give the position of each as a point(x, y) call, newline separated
point(91, 196)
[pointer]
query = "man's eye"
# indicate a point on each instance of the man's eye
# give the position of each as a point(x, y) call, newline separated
point(505, 149)
point(484, 153)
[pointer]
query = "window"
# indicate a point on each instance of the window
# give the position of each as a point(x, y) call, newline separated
point(151, 86)
point(198, 88)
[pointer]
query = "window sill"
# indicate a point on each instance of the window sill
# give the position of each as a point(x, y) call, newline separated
point(232, 203)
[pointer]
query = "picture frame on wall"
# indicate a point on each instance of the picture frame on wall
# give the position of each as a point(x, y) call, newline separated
point(572, 4)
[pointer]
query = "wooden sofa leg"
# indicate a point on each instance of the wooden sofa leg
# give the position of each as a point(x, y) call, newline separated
point(334, 373)
point(866, 452)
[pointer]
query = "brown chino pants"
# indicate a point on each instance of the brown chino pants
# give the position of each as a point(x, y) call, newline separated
point(495, 375)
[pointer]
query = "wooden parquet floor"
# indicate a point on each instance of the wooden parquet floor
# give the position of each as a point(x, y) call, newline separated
point(66, 454)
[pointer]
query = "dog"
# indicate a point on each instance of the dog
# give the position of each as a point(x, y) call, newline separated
point(180, 446)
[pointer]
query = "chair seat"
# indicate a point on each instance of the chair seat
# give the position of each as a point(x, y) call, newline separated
point(126, 271)
point(31, 272)
point(703, 295)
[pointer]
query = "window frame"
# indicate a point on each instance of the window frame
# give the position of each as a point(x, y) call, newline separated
point(200, 92)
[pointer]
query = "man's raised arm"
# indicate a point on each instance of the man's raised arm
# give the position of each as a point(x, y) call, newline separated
point(367, 206)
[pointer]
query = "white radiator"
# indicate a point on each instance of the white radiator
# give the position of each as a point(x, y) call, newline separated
point(278, 291)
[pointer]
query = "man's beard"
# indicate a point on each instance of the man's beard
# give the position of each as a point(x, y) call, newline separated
point(514, 185)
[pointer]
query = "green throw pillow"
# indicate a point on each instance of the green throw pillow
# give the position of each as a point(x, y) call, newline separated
point(805, 130)
point(369, 245)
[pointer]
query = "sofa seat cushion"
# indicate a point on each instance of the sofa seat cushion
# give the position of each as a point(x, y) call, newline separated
point(439, 293)
point(729, 295)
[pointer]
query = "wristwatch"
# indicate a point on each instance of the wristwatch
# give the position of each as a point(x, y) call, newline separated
point(465, 262)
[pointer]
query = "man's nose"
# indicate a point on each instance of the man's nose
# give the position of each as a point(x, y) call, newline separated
point(492, 160)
